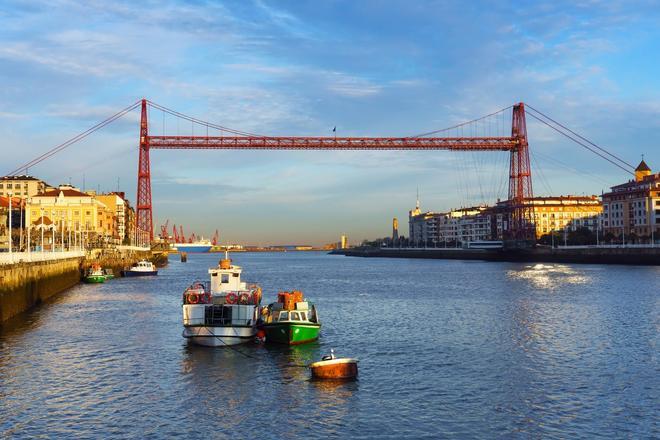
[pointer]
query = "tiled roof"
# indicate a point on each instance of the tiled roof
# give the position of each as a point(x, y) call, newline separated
point(46, 221)
point(18, 178)
point(15, 202)
point(66, 192)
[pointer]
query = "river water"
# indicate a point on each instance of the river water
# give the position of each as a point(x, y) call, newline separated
point(446, 349)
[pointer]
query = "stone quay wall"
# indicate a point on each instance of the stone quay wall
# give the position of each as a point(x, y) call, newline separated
point(24, 285)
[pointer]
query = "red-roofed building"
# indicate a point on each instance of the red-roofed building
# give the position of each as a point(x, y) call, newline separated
point(71, 209)
point(633, 208)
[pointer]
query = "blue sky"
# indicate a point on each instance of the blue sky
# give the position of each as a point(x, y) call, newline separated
point(383, 68)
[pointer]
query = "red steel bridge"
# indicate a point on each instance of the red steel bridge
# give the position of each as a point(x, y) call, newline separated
point(521, 226)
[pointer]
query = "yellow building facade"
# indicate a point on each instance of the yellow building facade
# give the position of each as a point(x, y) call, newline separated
point(21, 186)
point(565, 213)
point(70, 209)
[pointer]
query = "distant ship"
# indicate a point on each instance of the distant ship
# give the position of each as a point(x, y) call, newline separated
point(197, 246)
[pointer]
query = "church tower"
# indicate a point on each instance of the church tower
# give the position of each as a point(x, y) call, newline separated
point(642, 171)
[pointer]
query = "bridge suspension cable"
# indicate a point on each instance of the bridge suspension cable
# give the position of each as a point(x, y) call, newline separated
point(199, 121)
point(463, 124)
point(75, 139)
point(580, 140)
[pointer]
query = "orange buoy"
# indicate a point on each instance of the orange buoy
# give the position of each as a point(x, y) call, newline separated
point(231, 298)
point(330, 367)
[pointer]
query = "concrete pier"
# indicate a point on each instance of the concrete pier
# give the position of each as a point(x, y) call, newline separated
point(646, 256)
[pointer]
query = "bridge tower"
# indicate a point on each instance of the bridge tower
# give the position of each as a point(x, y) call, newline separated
point(144, 216)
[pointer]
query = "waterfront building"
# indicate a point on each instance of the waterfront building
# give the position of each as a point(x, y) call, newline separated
point(632, 209)
point(343, 242)
point(565, 213)
point(395, 230)
point(456, 226)
point(561, 213)
point(119, 210)
point(70, 209)
point(22, 186)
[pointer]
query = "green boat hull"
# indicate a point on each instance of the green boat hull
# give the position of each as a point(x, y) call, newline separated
point(95, 279)
point(291, 333)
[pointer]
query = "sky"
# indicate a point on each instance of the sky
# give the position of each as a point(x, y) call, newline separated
point(368, 68)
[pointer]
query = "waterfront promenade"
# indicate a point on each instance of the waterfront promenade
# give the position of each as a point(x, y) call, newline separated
point(645, 255)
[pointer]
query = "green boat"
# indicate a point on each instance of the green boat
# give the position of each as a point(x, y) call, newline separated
point(292, 325)
point(95, 275)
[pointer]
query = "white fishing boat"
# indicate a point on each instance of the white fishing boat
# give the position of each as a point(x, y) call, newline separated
point(223, 311)
point(140, 269)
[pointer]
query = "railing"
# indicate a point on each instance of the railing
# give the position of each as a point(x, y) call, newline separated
point(610, 246)
point(30, 257)
point(132, 248)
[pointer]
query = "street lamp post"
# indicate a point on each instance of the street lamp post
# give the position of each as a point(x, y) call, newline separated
point(11, 257)
point(42, 230)
point(653, 236)
point(623, 234)
point(29, 242)
point(68, 216)
point(20, 227)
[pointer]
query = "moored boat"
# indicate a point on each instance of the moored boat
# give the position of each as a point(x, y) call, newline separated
point(222, 312)
point(198, 246)
point(139, 269)
point(95, 275)
point(291, 320)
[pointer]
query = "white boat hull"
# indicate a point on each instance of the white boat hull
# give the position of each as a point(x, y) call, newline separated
point(219, 336)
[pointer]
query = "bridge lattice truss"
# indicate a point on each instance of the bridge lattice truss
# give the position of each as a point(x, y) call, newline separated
point(521, 224)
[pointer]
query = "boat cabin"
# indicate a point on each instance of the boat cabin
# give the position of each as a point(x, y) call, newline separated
point(226, 278)
point(144, 265)
point(300, 314)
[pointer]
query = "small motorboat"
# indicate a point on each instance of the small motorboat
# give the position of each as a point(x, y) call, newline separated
point(330, 367)
point(95, 274)
point(291, 320)
point(139, 269)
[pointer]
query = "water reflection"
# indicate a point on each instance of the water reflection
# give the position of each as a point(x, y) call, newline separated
point(550, 277)
point(447, 349)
